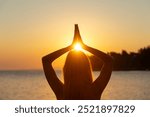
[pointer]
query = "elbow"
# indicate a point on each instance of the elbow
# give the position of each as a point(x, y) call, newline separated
point(43, 59)
point(108, 65)
point(46, 60)
point(109, 61)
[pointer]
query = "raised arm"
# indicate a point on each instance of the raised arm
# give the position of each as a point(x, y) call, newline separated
point(54, 82)
point(100, 83)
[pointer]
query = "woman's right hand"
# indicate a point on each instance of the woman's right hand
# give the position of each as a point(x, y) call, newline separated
point(77, 38)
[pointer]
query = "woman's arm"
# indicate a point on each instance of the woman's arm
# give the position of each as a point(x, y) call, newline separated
point(54, 82)
point(100, 83)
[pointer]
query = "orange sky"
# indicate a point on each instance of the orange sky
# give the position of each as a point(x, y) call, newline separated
point(31, 29)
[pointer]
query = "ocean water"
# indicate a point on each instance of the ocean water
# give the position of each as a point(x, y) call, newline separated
point(32, 85)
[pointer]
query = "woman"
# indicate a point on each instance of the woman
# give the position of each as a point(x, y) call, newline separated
point(78, 82)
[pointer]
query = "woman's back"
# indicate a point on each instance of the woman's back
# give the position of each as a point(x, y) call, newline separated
point(82, 94)
point(77, 76)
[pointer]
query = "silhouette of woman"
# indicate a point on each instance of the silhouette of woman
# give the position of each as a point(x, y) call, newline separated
point(78, 83)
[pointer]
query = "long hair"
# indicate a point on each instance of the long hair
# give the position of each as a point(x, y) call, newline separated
point(77, 74)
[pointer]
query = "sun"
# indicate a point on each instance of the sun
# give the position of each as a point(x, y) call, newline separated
point(77, 46)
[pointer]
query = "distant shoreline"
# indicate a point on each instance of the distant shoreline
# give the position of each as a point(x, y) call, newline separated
point(126, 61)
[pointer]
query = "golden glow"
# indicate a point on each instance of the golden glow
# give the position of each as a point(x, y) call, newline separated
point(78, 47)
point(107, 31)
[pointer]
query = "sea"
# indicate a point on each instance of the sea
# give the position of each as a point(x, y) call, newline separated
point(32, 85)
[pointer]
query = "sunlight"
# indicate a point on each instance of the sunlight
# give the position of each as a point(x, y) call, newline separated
point(77, 46)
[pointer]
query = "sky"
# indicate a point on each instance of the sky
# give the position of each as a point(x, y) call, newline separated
point(30, 29)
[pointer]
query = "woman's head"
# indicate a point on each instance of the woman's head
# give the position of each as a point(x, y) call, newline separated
point(77, 70)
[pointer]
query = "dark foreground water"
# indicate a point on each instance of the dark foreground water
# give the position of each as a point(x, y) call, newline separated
point(33, 85)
